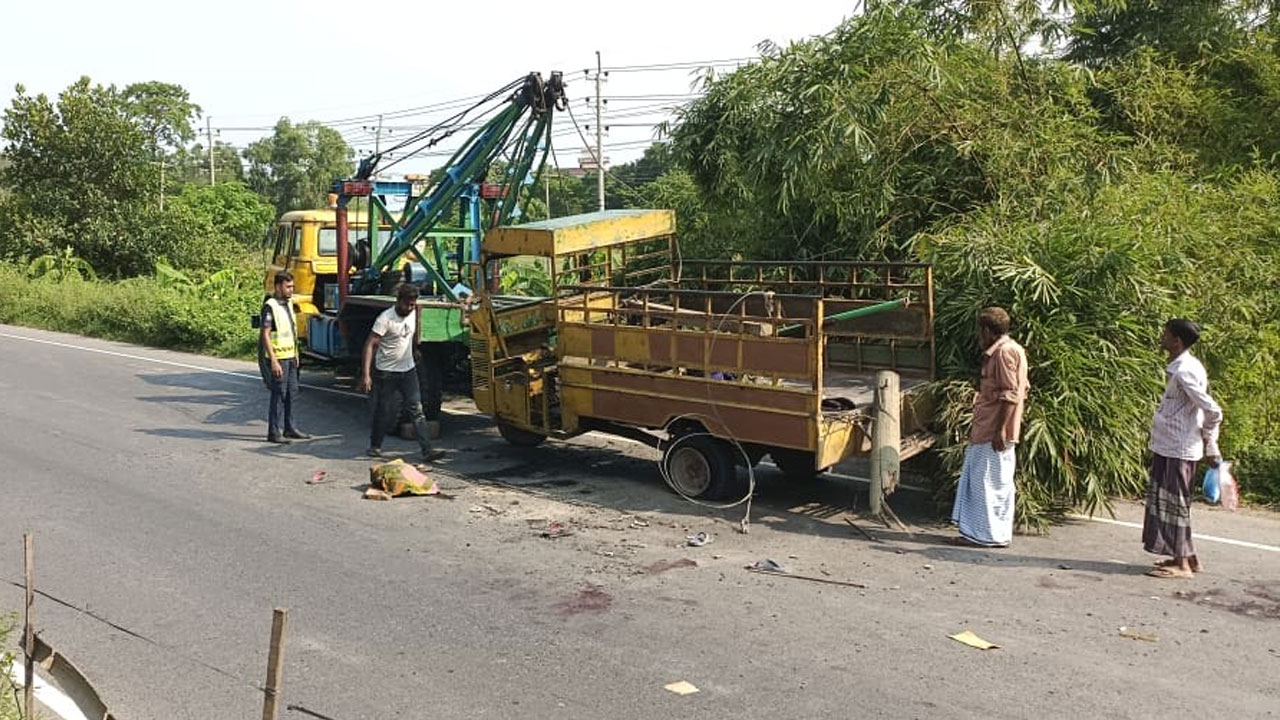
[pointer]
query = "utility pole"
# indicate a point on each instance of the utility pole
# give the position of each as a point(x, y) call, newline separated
point(377, 137)
point(546, 185)
point(208, 131)
point(599, 137)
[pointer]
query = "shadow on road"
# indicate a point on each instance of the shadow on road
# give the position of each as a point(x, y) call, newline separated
point(595, 470)
point(933, 548)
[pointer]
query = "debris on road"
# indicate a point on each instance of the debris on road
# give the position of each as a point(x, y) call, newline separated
point(769, 567)
point(376, 494)
point(555, 529)
point(699, 539)
point(968, 638)
point(1138, 635)
point(681, 688)
point(321, 476)
point(664, 565)
point(859, 528)
point(399, 478)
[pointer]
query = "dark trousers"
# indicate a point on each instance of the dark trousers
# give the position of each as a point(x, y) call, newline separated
point(392, 393)
point(283, 390)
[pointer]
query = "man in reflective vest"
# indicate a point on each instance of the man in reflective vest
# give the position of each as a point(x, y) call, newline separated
point(279, 356)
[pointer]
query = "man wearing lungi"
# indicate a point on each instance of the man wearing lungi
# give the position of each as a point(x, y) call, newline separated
point(1184, 430)
point(983, 510)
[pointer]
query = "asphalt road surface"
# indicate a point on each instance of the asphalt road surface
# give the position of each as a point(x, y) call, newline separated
point(156, 505)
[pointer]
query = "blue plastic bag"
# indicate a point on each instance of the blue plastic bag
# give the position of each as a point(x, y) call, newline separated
point(1212, 486)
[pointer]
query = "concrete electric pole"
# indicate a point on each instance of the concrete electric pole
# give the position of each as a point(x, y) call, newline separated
point(599, 136)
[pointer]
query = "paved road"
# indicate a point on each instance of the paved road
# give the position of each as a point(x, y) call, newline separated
point(155, 504)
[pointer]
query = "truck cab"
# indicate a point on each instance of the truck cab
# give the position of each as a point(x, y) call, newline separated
point(305, 242)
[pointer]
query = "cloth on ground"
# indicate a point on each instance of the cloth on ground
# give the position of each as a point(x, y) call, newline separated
point(400, 478)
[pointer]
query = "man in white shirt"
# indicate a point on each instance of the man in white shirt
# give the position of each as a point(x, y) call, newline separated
point(392, 340)
point(1184, 430)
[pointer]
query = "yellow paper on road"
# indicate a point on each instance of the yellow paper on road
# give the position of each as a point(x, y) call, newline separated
point(682, 688)
point(968, 638)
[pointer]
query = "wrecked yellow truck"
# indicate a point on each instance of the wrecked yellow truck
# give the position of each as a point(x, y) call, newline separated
point(717, 363)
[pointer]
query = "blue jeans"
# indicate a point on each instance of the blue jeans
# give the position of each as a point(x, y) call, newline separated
point(283, 390)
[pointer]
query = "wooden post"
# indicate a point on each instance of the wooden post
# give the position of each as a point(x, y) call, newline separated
point(28, 630)
point(886, 438)
point(275, 665)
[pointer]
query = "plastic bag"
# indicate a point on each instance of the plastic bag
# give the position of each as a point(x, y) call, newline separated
point(1212, 486)
point(1227, 486)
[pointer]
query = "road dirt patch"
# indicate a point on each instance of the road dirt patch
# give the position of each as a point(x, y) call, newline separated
point(589, 599)
point(1260, 601)
point(667, 565)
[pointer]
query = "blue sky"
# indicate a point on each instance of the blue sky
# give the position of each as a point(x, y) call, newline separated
point(249, 63)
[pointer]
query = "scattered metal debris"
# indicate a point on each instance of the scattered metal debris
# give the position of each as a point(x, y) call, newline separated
point(699, 539)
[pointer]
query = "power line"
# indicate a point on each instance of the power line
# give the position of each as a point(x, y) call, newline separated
point(689, 65)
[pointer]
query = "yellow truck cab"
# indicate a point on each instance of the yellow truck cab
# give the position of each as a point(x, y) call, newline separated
point(305, 242)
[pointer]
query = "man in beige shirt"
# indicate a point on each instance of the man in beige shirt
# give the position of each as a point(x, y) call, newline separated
point(983, 509)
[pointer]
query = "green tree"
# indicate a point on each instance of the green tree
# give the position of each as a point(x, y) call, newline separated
point(164, 111)
point(1091, 203)
point(74, 157)
point(233, 210)
point(192, 164)
point(296, 166)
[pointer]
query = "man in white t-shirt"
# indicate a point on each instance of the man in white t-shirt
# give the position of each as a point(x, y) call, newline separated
point(392, 340)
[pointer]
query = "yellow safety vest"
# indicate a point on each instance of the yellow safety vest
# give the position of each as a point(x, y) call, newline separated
point(282, 337)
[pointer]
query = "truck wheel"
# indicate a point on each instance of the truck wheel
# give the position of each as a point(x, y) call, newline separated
point(519, 436)
point(700, 466)
point(796, 464)
point(431, 378)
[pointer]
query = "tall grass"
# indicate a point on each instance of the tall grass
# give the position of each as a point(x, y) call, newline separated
point(211, 319)
point(9, 709)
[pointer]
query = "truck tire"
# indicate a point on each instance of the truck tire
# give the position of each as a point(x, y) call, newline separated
point(431, 377)
point(796, 465)
point(700, 466)
point(519, 436)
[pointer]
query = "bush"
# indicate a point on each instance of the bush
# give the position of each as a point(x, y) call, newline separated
point(8, 694)
point(143, 310)
point(1089, 289)
point(1093, 205)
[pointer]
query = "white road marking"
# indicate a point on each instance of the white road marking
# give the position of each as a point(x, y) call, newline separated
point(1197, 536)
point(187, 366)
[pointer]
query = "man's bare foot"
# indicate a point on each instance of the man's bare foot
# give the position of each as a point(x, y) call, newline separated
point(1170, 573)
point(1173, 563)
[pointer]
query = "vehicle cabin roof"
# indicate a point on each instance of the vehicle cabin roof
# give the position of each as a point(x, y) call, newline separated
point(325, 216)
point(577, 233)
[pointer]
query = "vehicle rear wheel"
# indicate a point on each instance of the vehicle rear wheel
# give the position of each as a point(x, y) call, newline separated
point(796, 464)
point(519, 436)
point(699, 466)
